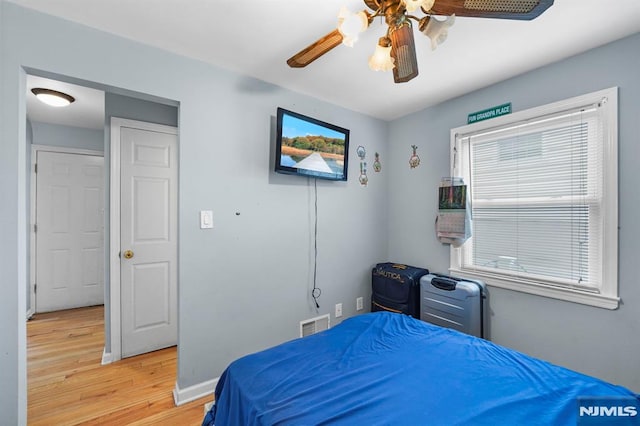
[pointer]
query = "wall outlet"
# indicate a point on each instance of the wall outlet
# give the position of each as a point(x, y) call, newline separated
point(359, 304)
point(338, 310)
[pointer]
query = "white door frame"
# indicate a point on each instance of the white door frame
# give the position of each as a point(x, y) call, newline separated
point(32, 214)
point(114, 229)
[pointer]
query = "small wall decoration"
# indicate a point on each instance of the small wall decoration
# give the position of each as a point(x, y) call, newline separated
point(362, 153)
point(363, 174)
point(414, 160)
point(376, 163)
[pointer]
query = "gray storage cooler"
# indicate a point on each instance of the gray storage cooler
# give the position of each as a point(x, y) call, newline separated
point(455, 303)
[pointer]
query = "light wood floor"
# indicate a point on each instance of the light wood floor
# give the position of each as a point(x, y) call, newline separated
point(68, 386)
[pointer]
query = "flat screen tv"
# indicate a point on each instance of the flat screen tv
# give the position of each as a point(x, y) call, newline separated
point(306, 146)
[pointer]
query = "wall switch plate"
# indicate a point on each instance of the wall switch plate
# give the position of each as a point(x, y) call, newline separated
point(206, 219)
point(338, 310)
point(359, 304)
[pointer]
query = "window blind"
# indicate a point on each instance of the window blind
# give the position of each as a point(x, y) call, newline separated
point(536, 192)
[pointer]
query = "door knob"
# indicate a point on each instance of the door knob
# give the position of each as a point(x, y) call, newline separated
point(128, 254)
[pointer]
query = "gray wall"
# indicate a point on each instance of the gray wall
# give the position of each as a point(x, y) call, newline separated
point(243, 285)
point(13, 233)
point(596, 341)
point(67, 136)
point(121, 106)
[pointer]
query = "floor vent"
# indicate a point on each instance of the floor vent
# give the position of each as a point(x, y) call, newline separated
point(314, 325)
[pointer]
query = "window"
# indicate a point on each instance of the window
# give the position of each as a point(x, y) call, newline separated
point(544, 200)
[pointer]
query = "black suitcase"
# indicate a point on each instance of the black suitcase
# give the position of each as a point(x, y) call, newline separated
point(396, 288)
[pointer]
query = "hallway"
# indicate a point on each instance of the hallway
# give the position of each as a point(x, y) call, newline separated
point(68, 386)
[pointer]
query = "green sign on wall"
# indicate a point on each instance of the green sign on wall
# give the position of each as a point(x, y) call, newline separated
point(486, 114)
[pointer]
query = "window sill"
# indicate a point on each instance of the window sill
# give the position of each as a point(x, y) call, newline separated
point(566, 294)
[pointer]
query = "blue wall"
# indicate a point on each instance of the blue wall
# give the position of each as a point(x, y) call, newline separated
point(244, 285)
point(596, 341)
point(67, 136)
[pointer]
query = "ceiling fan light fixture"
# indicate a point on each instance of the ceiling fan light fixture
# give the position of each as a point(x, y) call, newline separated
point(413, 5)
point(437, 30)
point(351, 25)
point(381, 59)
point(403, 50)
point(52, 97)
point(397, 15)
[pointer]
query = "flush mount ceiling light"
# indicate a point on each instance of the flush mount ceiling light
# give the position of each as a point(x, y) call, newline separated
point(52, 97)
point(401, 57)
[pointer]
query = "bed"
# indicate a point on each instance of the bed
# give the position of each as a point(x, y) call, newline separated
point(391, 369)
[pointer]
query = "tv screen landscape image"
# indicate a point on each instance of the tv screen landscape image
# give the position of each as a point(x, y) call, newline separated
point(310, 147)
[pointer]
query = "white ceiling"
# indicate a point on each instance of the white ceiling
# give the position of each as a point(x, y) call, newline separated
point(256, 38)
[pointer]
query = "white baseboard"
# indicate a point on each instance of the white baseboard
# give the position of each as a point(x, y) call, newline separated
point(30, 313)
point(191, 393)
point(107, 358)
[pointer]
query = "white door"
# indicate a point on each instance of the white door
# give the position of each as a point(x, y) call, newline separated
point(70, 231)
point(148, 239)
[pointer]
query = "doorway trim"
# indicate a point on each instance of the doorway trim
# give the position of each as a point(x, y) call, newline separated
point(115, 331)
point(35, 148)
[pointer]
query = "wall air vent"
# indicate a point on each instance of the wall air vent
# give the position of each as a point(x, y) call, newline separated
point(314, 325)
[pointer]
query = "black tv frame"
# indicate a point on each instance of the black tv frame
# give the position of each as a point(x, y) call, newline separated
point(288, 169)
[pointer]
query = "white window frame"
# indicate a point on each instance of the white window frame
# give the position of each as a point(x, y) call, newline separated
point(606, 296)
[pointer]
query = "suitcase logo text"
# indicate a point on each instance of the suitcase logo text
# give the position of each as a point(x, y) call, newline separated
point(391, 275)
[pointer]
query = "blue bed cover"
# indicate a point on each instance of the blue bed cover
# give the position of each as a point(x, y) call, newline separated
point(390, 369)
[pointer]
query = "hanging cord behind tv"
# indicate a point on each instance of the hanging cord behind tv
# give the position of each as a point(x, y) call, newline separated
point(315, 292)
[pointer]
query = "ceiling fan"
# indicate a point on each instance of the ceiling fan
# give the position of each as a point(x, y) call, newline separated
point(396, 49)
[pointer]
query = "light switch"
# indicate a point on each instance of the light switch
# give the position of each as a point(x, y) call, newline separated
point(206, 219)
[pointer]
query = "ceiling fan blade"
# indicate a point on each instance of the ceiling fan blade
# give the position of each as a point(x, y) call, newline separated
point(403, 50)
point(501, 9)
point(315, 50)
